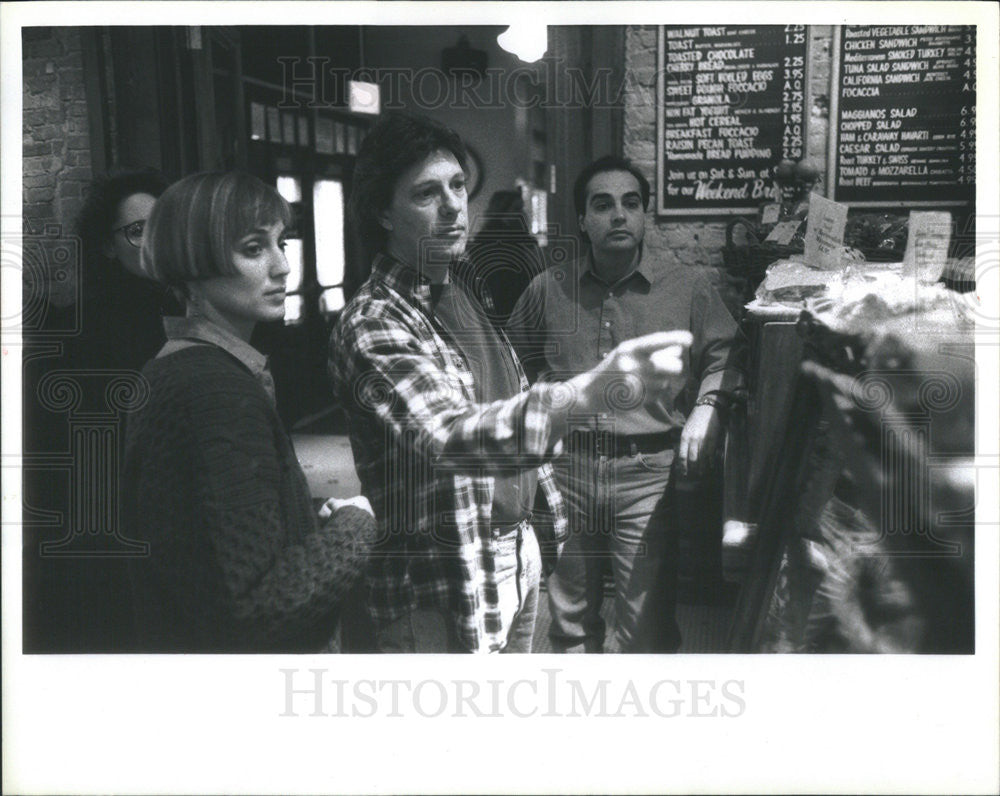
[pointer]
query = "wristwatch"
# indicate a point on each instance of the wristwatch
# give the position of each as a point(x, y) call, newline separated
point(720, 402)
point(713, 399)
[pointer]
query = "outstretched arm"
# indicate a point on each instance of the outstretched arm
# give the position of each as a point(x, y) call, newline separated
point(382, 367)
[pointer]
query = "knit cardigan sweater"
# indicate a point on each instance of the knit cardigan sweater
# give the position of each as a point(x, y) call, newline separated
point(237, 562)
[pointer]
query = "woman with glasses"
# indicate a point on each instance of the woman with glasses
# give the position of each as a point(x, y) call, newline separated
point(123, 309)
point(237, 560)
point(107, 328)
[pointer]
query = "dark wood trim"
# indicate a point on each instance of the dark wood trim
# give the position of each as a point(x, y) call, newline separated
point(203, 90)
point(138, 101)
point(96, 92)
point(778, 521)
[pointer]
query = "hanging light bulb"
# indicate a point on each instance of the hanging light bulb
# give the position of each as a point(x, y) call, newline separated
point(528, 42)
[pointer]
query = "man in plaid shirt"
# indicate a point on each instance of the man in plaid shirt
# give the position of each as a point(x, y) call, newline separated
point(449, 442)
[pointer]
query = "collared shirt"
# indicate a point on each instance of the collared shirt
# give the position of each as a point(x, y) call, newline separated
point(204, 331)
point(426, 452)
point(570, 318)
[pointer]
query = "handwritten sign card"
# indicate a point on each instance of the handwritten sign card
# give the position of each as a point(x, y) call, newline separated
point(825, 232)
point(927, 244)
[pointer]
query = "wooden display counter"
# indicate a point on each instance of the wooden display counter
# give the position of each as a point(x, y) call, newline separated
point(862, 485)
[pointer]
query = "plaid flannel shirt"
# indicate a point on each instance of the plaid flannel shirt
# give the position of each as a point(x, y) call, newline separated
point(426, 452)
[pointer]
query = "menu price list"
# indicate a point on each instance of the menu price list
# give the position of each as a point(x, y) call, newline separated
point(906, 122)
point(733, 106)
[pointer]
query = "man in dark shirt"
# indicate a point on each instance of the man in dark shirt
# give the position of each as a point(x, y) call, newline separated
point(616, 474)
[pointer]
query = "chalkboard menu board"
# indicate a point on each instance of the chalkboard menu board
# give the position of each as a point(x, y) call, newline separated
point(905, 115)
point(731, 105)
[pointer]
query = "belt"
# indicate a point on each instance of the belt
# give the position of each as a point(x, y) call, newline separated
point(607, 443)
point(506, 530)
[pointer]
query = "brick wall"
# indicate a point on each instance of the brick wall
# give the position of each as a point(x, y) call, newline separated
point(56, 135)
point(698, 240)
point(56, 139)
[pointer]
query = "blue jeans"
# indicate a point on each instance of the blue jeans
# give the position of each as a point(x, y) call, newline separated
point(619, 511)
point(518, 570)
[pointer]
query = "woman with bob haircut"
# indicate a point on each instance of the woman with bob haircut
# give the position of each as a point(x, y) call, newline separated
point(237, 561)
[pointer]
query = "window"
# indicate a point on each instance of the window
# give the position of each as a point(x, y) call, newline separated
point(291, 189)
point(328, 215)
point(539, 215)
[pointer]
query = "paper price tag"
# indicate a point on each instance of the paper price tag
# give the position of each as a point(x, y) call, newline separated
point(824, 232)
point(927, 241)
point(770, 213)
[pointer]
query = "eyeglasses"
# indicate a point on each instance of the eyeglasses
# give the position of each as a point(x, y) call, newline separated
point(133, 232)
